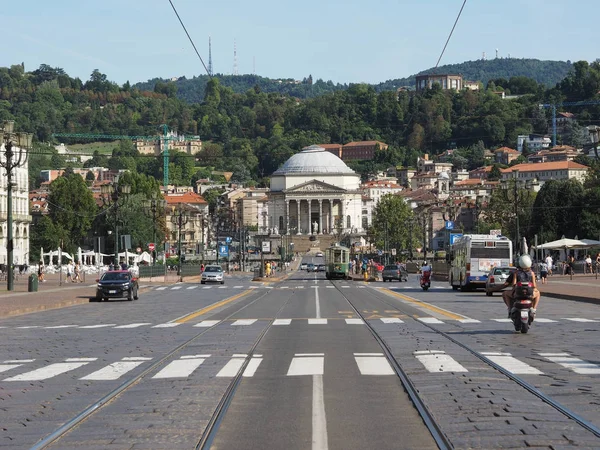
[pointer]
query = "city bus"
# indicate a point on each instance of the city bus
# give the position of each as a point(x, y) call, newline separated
point(472, 256)
point(337, 262)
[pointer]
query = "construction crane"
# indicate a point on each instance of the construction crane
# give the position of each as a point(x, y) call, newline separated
point(115, 137)
point(555, 105)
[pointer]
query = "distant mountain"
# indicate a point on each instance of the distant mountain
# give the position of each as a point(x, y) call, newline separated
point(545, 72)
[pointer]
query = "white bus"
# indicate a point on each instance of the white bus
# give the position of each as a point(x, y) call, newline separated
point(473, 256)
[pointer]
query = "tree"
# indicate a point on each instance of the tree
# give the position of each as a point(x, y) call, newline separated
point(391, 218)
point(495, 173)
point(72, 209)
point(211, 196)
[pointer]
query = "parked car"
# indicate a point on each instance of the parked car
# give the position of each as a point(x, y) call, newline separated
point(321, 268)
point(303, 266)
point(319, 254)
point(214, 274)
point(117, 284)
point(394, 272)
point(496, 278)
point(310, 267)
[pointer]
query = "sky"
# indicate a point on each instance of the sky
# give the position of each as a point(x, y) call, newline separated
point(347, 41)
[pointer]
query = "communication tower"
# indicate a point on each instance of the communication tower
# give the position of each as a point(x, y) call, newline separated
point(483, 56)
point(496, 53)
point(210, 67)
point(235, 67)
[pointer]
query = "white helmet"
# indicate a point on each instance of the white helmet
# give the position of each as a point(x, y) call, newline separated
point(525, 262)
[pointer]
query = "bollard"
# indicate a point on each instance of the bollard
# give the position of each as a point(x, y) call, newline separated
point(32, 285)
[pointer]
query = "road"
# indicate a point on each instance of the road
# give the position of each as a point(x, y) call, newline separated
point(297, 364)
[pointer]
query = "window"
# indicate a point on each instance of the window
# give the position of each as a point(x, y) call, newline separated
point(348, 225)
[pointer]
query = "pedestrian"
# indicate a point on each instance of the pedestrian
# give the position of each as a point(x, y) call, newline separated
point(201, 268)
point(77, 271)
point(69, 272)
point(268, 270)
point(588, 264)
point(544, 272)
point(123, 265)
point(549, 262)
point(41, 275)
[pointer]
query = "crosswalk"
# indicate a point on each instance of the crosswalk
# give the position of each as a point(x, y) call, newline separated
point(289, 321)
point(301, 364)
point(252, 287)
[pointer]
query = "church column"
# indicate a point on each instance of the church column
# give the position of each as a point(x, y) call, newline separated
point(287, 216)
point(330, 216)
point(343, 214)
point(298, 223)
point(309, 216)
point(320, 216)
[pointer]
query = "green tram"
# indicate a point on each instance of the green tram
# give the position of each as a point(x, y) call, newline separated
point(337, 262)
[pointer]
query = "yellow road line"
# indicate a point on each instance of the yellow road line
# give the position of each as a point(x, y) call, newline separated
point(441, 311)
point(211, 307)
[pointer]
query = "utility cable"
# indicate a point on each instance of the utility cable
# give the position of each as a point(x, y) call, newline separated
point(190, 38)
point(452, 31)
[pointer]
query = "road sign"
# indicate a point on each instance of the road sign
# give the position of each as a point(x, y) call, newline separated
point(223, 250)
point(228, 239)
point(151, 246)
point(454, 237)
point(449, 225)
point(379, 252)
point(495, 232)
point(266, 246)
point(138, 250)
point(394, 252)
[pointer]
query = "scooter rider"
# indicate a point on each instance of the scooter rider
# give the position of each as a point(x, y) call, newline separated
point(425, 268)
point(523, 273)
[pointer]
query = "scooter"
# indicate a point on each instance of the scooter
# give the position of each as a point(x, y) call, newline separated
point(425, 280)
point(520, 313)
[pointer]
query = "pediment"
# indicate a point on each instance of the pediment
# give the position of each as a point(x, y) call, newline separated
point(314, 186)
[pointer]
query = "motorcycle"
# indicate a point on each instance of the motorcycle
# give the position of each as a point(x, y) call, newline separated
point(425, 280)
point(521, 315)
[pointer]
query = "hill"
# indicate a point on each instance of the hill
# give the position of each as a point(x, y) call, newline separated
point(548, 73)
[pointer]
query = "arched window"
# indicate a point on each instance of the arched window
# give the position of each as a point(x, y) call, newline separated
point(280, 223)
point(348, 225)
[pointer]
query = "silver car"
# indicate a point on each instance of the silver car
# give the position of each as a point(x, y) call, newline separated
point(496, 278)
point(213, 274)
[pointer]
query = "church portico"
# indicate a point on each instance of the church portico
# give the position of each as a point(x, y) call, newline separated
point(315, 193)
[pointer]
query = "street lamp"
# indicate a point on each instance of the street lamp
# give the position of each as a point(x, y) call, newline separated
point(14, 158)
point(180, 219)
point(112, 193)
point(155, 208)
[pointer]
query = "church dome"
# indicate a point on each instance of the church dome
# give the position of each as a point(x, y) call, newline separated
point(314, 159)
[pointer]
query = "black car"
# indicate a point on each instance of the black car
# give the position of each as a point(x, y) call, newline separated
point(117, 284)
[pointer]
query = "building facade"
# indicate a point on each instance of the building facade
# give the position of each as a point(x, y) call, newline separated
point(541, 172)
point(20, 212)
point(185, 144)
point(446, 81)
point(314, 192)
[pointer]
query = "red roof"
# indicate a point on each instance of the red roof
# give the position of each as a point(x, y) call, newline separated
point(536, 167)
point(188, 197)
point(330, 145)
point(507, 150)
point(364, 143)
point(381, 184)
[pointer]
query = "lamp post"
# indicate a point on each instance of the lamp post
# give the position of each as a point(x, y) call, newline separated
point(14, 158)
point(180, 219)
point(112, 193)
point(516, 202)
point(151, 207)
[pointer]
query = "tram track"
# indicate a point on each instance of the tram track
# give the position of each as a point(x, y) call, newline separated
point(72, 424)
point(418, 401)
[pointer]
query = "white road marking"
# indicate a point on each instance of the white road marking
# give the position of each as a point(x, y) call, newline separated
point(282, 321)
point(18, 361)
point(429, 320)
point(373, 365)
point(330, 287)
point(103, 325)
point(232, 367)
point(368, 354)
point(511, 363)
point(134, 325)
point(438, 361)
point(502, 320)
point(306, 365)
point(162, 288)
point(319, 420)
point(317, 304)
point(207, 287)
point(61, 326)
point(541, 320)
point(29, 326)
point(243, 322)
point(317, 321)
point(354, 322)
point(252, 287)
point(361, 287)
point(577, 365)
point(285, 287)
point(469, 321)
point(222, 287)
point(174, 288)
point(252, 366)
point(302, 287)
point(345, 286)
point(268, 287)
point(181, 368)
point(577, 319)
point(167, 325)
point(309, 354)
point(207, 323)
point(7, 367)
point(115, 370)
point(238, 287)
point(391, 320)
point(44, 373)
point(192, 287)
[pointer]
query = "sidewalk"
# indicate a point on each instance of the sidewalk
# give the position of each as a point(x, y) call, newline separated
point(583, 288)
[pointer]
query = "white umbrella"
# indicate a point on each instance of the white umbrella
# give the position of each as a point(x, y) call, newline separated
point(591, 242)
point(42, 254)
point(562, 244)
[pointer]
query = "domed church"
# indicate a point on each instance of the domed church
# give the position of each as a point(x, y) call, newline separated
point(315, 192)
